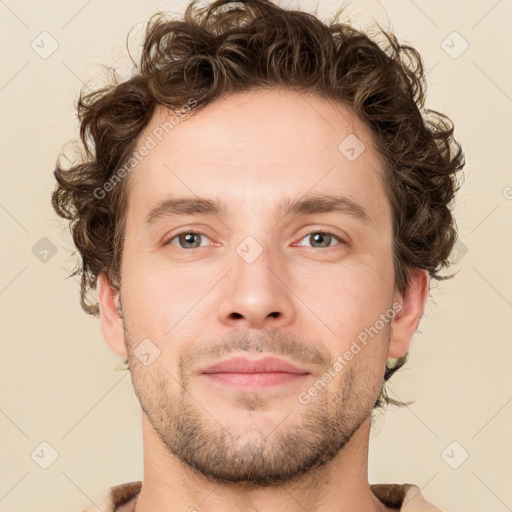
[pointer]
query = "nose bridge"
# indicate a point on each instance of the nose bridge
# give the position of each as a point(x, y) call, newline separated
point(256, 294)
point(255, 262)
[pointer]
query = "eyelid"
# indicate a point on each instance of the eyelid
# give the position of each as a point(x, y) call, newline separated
point(200, 229)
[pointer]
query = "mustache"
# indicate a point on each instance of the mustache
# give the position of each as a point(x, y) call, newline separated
point(270, 340)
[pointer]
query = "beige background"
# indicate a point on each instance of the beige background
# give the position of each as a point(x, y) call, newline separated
point(57, 378)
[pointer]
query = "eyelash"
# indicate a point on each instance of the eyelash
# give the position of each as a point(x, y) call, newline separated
point(322, 232)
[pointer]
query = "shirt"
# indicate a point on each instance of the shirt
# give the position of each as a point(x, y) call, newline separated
point(404, 497)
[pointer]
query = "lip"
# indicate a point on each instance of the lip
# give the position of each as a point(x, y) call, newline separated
point(265, 365)
point(261, 373)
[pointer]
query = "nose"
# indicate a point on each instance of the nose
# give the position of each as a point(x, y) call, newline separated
point(256, 294)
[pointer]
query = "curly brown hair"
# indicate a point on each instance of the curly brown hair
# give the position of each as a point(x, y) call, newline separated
point(232, 46)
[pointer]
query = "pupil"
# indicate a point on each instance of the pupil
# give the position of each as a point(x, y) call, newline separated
point(189, 238)
point(320, 238)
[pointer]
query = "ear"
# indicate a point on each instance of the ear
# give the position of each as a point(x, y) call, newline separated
point(406, 321)
point(110, 315)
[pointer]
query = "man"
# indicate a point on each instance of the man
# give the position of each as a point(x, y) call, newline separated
point(261, 208)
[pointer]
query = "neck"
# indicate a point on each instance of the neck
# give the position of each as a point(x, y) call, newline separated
point(339, 486)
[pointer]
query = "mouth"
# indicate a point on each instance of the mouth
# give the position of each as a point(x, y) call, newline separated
point(242, 372)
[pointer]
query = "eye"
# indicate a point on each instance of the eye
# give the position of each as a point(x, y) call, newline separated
point(192, 239)
point(323, 238)
point(187, 240)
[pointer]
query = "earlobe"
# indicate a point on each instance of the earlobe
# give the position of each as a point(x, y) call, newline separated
point(406, 321)
point(110, 315)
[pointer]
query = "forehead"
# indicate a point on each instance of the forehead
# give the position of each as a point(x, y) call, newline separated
point(254, 148)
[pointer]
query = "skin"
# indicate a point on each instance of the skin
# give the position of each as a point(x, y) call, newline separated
point(212, 447)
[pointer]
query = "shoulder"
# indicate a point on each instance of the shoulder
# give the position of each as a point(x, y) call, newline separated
point(406, 496)
point(111, 498)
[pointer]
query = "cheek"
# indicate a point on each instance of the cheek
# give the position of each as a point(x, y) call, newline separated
point(347, 298)
point(162, 301)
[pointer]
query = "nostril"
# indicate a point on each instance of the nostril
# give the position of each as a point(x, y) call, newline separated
point(275, 314)
point(236, 315)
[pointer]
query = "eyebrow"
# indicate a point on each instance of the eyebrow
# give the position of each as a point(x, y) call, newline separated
point(306, 205)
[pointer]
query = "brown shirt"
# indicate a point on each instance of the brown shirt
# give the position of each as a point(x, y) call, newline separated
point(404, 497)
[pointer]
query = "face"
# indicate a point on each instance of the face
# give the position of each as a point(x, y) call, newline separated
point(278, 244)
